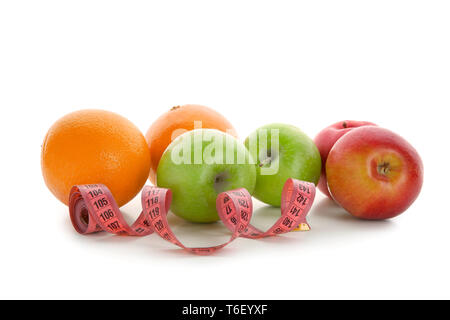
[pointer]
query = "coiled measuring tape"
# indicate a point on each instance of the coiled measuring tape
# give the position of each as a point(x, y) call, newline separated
point(93, 208)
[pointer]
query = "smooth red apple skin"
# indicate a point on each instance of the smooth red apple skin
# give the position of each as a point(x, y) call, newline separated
point(373, 173)
point(326, 139)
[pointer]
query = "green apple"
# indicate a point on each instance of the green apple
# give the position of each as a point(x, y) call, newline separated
point(200, 164)
point(281, 151)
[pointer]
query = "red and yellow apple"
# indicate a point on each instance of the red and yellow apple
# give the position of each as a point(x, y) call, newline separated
point(374, 173)
point(326, 139)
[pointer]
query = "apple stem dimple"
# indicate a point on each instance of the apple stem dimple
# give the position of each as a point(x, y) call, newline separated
point(383, 168)
point(220, 181)
point(265, 161)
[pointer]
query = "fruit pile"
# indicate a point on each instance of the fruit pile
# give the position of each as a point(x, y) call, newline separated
point(194, 151)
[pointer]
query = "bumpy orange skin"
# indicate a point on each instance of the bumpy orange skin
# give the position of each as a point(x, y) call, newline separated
point(354, 178)
point(175, 122)
point(95, 146)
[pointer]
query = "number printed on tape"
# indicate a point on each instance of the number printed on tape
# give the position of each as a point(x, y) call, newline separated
point(93, 208)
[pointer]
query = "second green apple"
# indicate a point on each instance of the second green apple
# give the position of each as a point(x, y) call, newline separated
point(281, 152)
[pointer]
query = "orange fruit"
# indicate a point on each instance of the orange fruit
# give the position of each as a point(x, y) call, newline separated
point(175, 122)
point(95, 146)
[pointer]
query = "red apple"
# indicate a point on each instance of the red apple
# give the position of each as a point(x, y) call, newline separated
point(326, 139)
point(374, 173)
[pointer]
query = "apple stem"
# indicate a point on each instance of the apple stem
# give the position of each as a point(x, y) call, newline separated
point(344, 124)
point(383, 168)
point(220, 181)
point(265, 161)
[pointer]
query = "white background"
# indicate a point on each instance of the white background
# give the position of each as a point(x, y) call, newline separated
point(306, 63)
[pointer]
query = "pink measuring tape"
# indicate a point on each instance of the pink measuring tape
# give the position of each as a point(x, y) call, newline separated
point(93, 208)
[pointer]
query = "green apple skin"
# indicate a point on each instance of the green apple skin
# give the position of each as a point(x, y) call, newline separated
point(195, 187)
point(298, 158)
